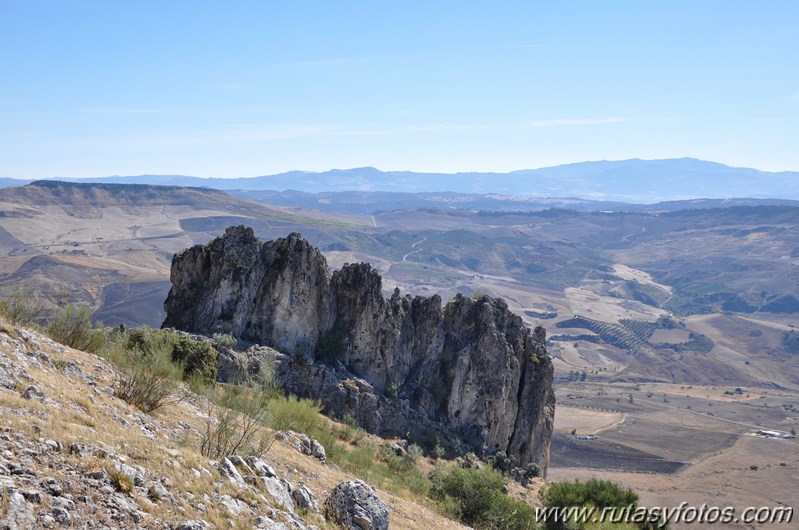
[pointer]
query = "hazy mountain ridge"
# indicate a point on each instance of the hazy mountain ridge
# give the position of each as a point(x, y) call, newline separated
point(632, 180)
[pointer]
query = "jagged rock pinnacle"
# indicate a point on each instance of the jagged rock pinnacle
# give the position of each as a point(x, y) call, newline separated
point(470, 370)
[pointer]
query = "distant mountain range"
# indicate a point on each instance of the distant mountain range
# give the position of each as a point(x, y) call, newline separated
point(628, 181)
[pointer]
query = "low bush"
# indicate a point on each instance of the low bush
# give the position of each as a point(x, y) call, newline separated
point(294, 414)
point(225, 339)
point(73, 327)
point(149, 341)
point(121, 481)
point(331, 346)
point(22, 309)
point(146, 379)
point(350, 431)
point(598, 493)
point(476, 498)
point(790, 342)
point(240, 424)
point(414, 453)
point(378, 467)
point(196, 356)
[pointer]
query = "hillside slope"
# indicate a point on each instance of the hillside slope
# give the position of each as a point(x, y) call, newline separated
point(109, 246)
point(65, 439)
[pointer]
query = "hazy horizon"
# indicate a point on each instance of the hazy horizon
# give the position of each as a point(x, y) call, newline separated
point(390, 170)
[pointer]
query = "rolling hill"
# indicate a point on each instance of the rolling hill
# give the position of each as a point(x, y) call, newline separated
point(691, 295)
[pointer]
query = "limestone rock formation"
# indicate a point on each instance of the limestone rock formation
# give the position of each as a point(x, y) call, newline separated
point(469, 370)
point(354, 505)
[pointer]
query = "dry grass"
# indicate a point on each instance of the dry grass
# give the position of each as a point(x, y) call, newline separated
point(93, 417)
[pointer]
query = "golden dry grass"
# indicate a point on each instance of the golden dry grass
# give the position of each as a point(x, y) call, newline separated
point(92, 416)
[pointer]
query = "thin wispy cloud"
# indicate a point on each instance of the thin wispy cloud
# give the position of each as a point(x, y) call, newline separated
point(795, 98)
point(580, 121)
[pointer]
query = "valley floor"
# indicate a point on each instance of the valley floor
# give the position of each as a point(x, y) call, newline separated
point(681, 443)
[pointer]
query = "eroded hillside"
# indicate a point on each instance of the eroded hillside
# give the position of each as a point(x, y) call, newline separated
point(74, 455)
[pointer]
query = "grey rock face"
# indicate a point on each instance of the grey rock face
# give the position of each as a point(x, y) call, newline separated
point(354, 505)
point(62, 516)
point(469, 370)
point(279, 491)
point(260, 468)
point(304, 444)
point(18, 513)
point(194, 525)
point(304, 499)
point(275, 293)
point(228, 470)
point(33, 393)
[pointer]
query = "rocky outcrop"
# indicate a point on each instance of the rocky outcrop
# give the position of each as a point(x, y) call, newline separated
point(354, 505)
point(469, 371)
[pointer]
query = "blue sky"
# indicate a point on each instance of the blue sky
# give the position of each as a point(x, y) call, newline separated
point(225, 89)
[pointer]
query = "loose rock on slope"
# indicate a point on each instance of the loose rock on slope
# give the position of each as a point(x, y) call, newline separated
point(354, 505)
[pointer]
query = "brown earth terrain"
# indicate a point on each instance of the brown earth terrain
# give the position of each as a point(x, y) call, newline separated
point(667, 314)
point(678, 443)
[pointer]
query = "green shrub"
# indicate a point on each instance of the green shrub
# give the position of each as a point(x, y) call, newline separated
point(475, 497)
point(196, 356)
point(267, 378)
point(240, 423)
point(594, 492)
point(350, 431)
point(150, 341)
point(331, 346)
point(428, 439)
point(22, 309)
point(480, 293)
point(532, 470)
point(225, 339)
point(502, 462)
point(600, 493)
point(509, 513)
point(327, 438)
point(72, 326)
point(372, 464)
point(395, 462)
point(295, 414)
point(148, 380)
point(414, 452)
point(790, 342)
